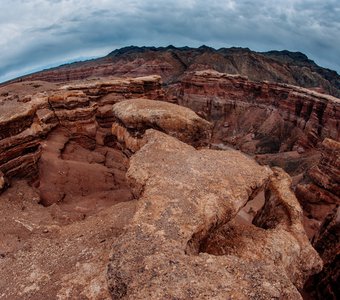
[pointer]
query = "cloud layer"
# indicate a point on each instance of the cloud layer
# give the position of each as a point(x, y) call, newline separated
point(41, 33)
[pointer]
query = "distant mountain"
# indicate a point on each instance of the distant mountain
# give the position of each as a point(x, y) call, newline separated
point(172, 63)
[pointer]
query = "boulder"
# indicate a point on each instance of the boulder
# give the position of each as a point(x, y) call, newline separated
point(135, 116)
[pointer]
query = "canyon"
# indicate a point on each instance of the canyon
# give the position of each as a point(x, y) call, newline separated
point(190, 185)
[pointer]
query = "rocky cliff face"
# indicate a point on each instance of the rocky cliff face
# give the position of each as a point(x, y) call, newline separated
point(173, 63)
point(57, 231)
point(259, 117)
point(83, 110)
point(90, 148)
point(319, 190)
point(325, 283)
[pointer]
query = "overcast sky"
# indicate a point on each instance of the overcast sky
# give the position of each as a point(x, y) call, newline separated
point(35, 34)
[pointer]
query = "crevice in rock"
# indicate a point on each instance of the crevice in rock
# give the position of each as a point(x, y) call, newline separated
point(199, 242)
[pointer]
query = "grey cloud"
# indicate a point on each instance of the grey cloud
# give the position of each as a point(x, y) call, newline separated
point(68, 29)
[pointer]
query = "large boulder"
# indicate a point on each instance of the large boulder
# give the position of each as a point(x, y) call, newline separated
point(135, 116)
point(184, 195)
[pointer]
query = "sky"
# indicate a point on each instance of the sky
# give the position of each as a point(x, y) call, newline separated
point(37, 34)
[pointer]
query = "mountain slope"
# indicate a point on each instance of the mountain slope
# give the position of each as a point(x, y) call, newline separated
point(172, 63)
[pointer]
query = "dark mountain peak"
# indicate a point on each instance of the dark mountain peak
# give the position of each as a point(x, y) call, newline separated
point(206, 48)
point(130, 49)
point(288, 56)
point(170, 47)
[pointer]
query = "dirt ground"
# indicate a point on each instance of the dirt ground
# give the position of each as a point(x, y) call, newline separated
point(41, 257)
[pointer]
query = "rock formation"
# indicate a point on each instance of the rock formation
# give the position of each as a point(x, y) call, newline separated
point(179, 208)
point(56, 233)
point(319, 191)
point(133, 117)
point(90, 148)
point(259, 117)
point(83, 109)
point(325, 284)
point(2, 182)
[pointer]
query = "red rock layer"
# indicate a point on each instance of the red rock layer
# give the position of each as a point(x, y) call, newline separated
point(319, 191)
point(61, 141)
point(259, 117)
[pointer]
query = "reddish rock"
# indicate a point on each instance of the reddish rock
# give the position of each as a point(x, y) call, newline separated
point(134, 117)
point(61, 140)
point(2, 182)
point(261, 117)
point(45, 253)
point(324, 285)
point(79, 107)
point(319, 192)
point(180, 206)
point(327, 173)
point(276, 235)
point(73, 176)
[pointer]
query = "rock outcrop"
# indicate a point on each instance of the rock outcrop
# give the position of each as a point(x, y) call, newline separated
point(324, 285)
point(56, 232)
point(83, 108)
point(319, 191)
point(181, 204)
point(2, 182)
point(135, 116)
point(276, 235)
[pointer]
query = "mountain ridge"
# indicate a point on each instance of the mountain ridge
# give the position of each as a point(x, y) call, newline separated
point(172, 62)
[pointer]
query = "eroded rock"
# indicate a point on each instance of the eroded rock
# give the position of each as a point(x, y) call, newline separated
point(181, 202)
point(319, 191)
point(262, 117)
point(79, 107)
point(135, 116)
point(2, 182)
point(277, 236)
point(188, 198)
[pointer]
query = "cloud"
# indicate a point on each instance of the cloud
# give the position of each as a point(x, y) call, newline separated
point(37, 33)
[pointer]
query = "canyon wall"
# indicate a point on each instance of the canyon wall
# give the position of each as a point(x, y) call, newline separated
point(259, 117)
point(83, 109)
point(280, 125)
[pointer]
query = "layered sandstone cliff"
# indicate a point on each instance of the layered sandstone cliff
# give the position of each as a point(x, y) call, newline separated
point(83, 109)
point(280, 125)
point(259, 117)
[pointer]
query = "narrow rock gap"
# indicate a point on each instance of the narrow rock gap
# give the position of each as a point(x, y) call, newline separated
point(200, 240)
